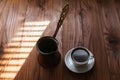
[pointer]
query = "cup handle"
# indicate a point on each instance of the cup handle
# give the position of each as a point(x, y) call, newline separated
point(91, 57)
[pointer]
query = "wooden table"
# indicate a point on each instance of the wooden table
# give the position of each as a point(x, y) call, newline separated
point(94, 24)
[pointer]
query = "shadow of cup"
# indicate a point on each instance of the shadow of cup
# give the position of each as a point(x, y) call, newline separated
point(49, 55)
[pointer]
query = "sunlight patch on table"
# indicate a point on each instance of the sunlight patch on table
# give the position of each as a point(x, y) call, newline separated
point(20, 47)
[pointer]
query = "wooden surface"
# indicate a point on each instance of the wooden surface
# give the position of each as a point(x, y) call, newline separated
point(94, 24)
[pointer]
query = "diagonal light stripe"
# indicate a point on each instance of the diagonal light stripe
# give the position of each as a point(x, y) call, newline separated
point(19, 48)
point(37, 23)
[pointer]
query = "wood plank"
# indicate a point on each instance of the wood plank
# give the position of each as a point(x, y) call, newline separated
point(12, 18)
point(52, 13)
point(5, 5)
point(15, 19)
point(72, 36)
point(34, 26)
point(111, 31)
point(48, 15)
point(2, 4)
point(93, 39)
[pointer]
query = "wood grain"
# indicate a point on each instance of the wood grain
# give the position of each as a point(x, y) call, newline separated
point(92, 30)
point(12, 18)
point(52, 13)
point(73, 37)
point(33, 16)
point(111, 29)
point(4, 12)
point(94, 24)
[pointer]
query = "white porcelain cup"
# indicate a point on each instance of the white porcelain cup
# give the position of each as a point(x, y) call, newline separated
point(80, 56)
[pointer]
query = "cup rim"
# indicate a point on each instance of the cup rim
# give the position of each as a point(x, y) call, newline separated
point(43, 53)
point(80, 63)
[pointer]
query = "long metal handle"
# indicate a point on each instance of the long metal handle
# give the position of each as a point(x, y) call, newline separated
point(62, 17)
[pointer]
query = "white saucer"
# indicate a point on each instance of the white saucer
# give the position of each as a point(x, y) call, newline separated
point(80, 69)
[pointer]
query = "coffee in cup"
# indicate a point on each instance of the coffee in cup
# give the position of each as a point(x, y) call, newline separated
point(80, 56)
